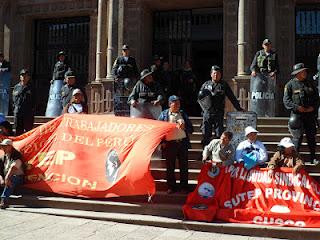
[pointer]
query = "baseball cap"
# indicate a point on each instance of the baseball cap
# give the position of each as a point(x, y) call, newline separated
point(286, 142)
point(215, 68)
point(6, 142)
point(24, 71)
point(249, 130)
point(69, 73)
point(125, 47)
point(76, 91)
point(173, 98)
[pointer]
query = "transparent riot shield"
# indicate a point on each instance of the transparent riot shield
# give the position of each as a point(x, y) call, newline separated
point(5, 80)
point(54, 105)
point(122, 89)
point(145, 110)
point(263, 92)
point(237, 122)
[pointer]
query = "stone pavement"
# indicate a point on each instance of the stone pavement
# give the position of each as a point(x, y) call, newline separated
point(22, 225)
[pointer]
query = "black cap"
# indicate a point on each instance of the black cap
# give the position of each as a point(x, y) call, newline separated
point(125, 47)
point(24, 71)
point(299, 67)
point(215, 68)
point(61, 53)
point(69, 73)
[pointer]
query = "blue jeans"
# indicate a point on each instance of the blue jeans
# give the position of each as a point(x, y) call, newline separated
point(16, 180)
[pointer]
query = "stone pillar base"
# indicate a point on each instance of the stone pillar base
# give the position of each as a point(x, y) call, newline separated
point(100, 97)
point(241, 89)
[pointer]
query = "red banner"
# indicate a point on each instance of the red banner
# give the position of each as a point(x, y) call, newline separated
point(234, 194)
point(92, 155)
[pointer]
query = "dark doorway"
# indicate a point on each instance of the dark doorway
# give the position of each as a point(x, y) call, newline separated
point(53, 35)
point(308, 36)
point(195, 35)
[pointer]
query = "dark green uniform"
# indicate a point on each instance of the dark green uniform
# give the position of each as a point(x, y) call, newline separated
point(23, 103)
point(302, 93)
point(265, 63)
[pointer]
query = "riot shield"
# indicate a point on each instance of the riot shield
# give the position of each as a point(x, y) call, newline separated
point(54, 105)
point(5, 80)
point(145, 110)
point(122, 90)
point(263, 90)
point(237, 122)
point(205, 103)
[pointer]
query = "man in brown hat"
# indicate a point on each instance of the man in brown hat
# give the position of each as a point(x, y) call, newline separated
point(301, 97)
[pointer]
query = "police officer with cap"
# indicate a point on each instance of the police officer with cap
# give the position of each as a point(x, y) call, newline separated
point(302, 99)
point(146, 91)
point(211, 98)
point(125, 66)
point(265, 61)
point(23, 103)
point(61, 67)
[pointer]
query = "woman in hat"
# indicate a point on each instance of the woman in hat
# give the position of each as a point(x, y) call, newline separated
point(286, 156)
point(77, 103)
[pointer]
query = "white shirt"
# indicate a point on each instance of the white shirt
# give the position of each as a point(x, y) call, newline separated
point(75, 108)
point(257, 147)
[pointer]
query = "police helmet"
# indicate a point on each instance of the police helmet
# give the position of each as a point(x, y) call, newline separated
point(203, 93)
point(295, 121)
point(145, 73)
point(128, 83)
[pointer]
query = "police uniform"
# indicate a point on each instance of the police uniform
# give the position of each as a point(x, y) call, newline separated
point(125, 67)
point(213, 114)
point(23, 104)
point(265, 62)
point(302, 93)
point(144, 93)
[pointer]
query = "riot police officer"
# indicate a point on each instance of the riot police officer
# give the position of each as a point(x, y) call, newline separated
point(126, 72)
point(146, 91)
point(302, 99)
point(211, 98)
point(23, 103)
point(265, 61)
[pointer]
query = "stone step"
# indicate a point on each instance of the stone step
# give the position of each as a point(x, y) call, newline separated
point(107, 211)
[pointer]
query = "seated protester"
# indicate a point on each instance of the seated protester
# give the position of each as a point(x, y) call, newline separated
point(11, 170)
point(286, 156)
point(251, 149)
point(6, 128)
point(220, 151)
point(77, 103)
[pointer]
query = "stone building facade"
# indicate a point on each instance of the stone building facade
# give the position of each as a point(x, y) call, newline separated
point(208, 34)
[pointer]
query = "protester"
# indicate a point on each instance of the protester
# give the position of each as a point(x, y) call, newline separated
point(77, 103)
point(67, 90)
point(251, 149)
point(11, 170)
point(23, 103)
point(301, 97)
point(286, 156)
point(219, 151)
point(176, 146)
point(212, 101)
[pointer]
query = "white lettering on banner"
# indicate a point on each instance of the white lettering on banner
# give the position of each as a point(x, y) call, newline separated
point(278, 221)
point(262, 95)
point(288, 195)
point(241, 197)
point(280, 178)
